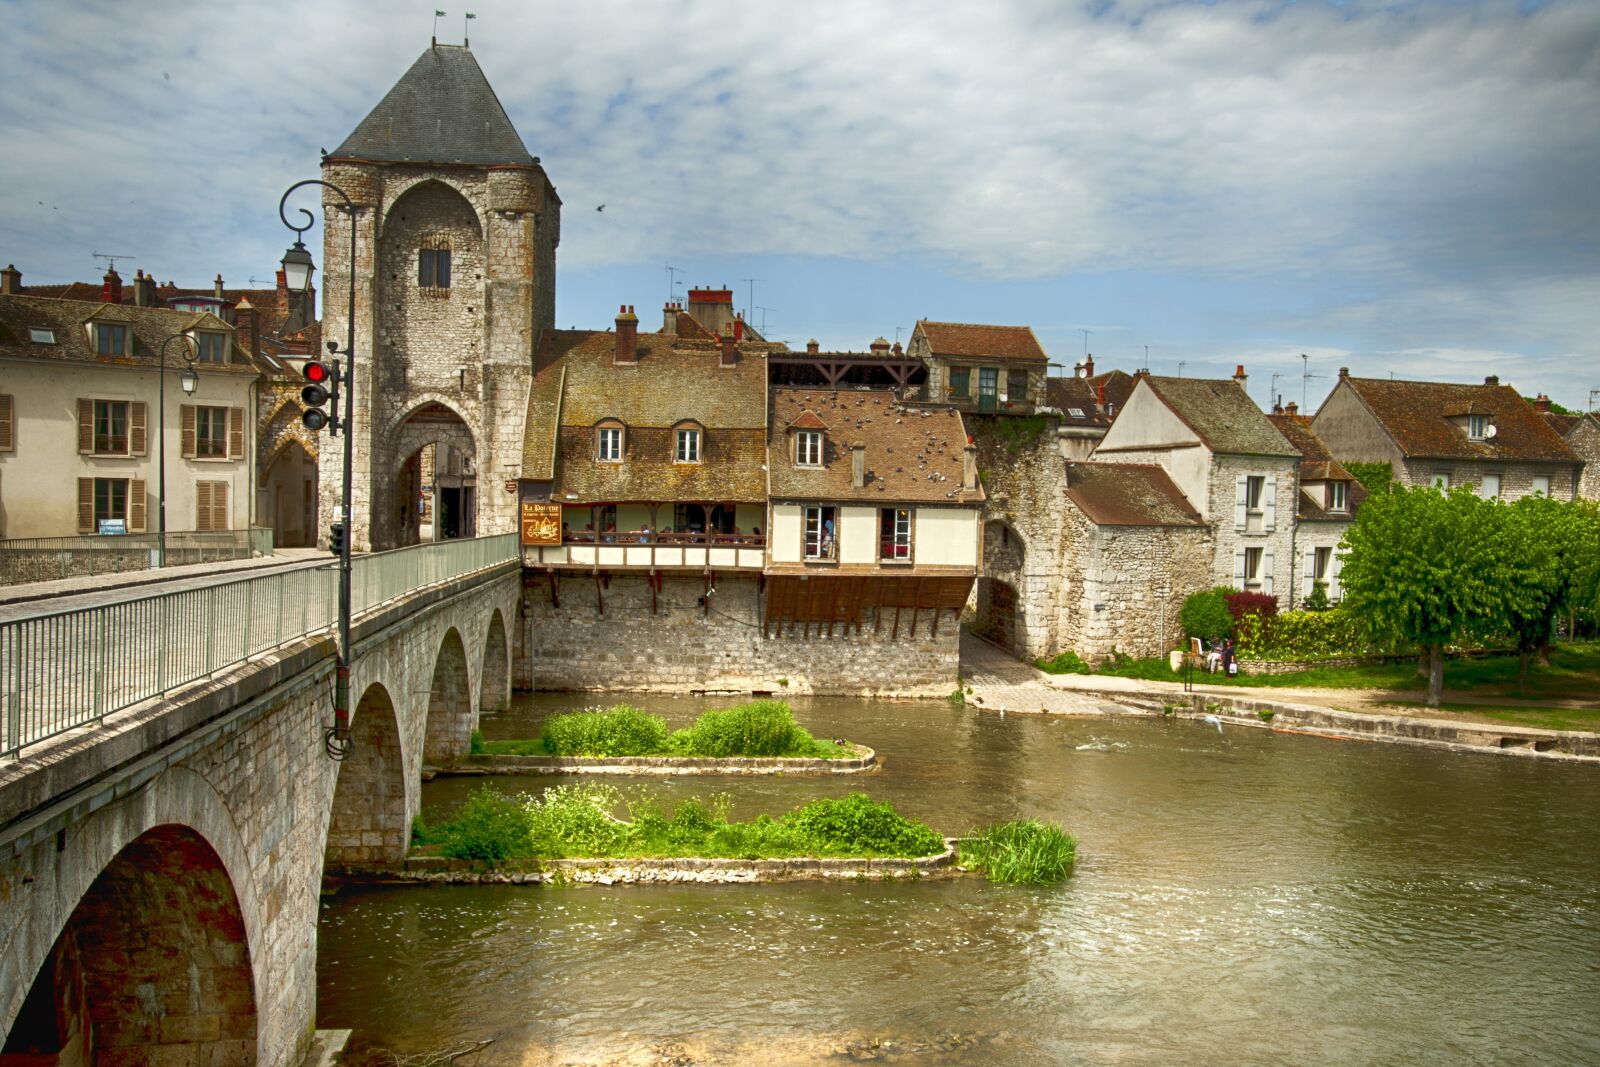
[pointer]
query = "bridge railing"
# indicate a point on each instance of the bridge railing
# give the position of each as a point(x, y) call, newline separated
point(63, 670)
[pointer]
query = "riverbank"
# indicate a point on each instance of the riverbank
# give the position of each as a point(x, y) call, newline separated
point(864, 760)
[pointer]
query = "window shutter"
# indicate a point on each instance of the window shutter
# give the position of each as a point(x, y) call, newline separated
point(136, 505)
point(86, 429)
point(85, 504)
point(219, 506)
point(1311, 572)
point(1266, 571)
point(8, 432)
point(235, 433)
point(1271, 506)
point(202, 507)
point(1238, 567)
point(1337, 565)
point(138, 440)
point(186, 430)
point(1241, 489)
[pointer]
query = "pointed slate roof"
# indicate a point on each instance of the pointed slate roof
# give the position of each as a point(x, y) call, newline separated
point(442, 110)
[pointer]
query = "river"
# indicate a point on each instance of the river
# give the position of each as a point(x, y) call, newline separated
point(1243, 898)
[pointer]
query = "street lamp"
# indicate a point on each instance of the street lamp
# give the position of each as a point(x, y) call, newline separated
point(190, 381)
point(297, 271)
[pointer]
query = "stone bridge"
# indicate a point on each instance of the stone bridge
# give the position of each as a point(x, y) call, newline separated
point(160, 871)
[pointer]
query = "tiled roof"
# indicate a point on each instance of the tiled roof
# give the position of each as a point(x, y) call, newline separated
point(1565, 424)
point(808, 420)
point(1222, 414)
point(976, 341)
point(1128, 494)
point(1118, 386)
point(913, 453)
point(148, 329)
point(1317, 463)
point(442, 110)
point(1074, 394)
point(1414, 414)
point(577, 386)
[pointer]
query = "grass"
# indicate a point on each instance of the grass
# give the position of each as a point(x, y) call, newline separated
point(1024, 852)
point(583, 821)
point(756, 728)
point(1587, 719)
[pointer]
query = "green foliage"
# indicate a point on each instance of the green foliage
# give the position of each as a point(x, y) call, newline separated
point(489, 828)
point(619, 731)
point(1205, 614)
point(515, 747)
point(1317, 599)
point(478, 747)
point(1555, 408)
point(858, 823)
point(1306, 635)
point(1066, 662)
point(1374, 477)
point(1155, 669)
point(574, 820)
point(957, 697)
point(784, 682)
point(1022, 852)
point(759, 728)
point(1015, 432)
point(1265, 714)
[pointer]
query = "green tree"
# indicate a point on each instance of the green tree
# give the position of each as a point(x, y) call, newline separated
point(1205, 614)
point(1431, 567)
point(1374, 477)
point(1554, 571)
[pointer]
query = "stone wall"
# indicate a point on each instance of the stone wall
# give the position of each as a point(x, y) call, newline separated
point(1277, 535)
point(1123, 586)
point(1516, 479)
point(1309, 536)
point(1584, 439)
point(682, 647)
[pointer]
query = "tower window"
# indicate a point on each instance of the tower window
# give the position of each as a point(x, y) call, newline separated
point(433, 268)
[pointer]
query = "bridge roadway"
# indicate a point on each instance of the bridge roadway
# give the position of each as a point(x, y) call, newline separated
point(166, 817)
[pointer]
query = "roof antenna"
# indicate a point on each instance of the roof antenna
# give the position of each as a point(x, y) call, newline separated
point(464, 41)
point(437, 15)
point(672, 281)
point(111, 259)
point(1306, 376)
point(1086, 334)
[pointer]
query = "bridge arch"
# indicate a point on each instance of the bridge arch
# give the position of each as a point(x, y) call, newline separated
point(999, 607)
point(447, 731)
point(494, 684)
point(368, 820)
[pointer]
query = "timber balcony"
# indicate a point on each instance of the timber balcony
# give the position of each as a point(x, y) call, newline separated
point(641, 550)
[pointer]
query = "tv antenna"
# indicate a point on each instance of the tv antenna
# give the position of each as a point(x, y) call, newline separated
point(897, 330)
point(1086, 334)
point(111, 259)
point(672, 281)
point(750, 303)
point(764, 311)
point(1182, 363)
point(1306, 376)
point(1272, 390)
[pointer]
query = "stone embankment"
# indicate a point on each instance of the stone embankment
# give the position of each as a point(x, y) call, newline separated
point(437, 870)
point(864, 761)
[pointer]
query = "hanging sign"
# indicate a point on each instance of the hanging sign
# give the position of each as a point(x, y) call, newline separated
point(541, 523)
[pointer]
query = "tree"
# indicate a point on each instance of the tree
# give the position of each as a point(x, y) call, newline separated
point(1431, 567)
point(1554, 571)
point(1205, 614)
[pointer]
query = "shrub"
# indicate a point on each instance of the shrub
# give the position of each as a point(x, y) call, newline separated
point(478, 745)
point(759, 728)
point(574, 820)
point(1374, 477)
point(1066, 662)
point(490, 828)
point(856, 824)
point(1243, 604)
point(1317, 599)
point(1205, 614)
point(1024, 852)
point(621, 731)
point(1121, 665)
point(1305, 635)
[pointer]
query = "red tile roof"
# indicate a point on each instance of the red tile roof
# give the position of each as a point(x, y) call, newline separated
point(1074, 394)
point(1222, 414)
point(1416, 417)
point(1128, 494)
point(976, 341)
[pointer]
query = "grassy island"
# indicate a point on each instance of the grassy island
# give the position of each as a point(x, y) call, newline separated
point(756, 728)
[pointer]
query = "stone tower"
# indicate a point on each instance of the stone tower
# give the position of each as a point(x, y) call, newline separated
point(455, 269)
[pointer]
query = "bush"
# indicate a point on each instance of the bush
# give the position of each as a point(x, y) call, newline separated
point(1374, 477)
point(856, 824)
point(574, 820)
point(1305, 635)
point(1066, 662)
point(621, 731)
point(1205, 614)
point(1317, 599)
point(490, 828)
point(1122, 665)
point(1243, 604)
point(1023, 852)
point(759, 728)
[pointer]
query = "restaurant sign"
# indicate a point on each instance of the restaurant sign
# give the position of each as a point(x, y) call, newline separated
point(541, 523)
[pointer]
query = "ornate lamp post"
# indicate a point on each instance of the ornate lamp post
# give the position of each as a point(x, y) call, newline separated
point(297, 270)
point(190, 381)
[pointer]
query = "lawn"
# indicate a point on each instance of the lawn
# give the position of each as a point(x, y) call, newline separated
point(1587, 719)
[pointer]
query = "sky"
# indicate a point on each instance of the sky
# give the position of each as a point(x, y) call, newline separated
point(1408, 189)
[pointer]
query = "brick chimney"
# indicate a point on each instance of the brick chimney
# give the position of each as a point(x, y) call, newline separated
point(216, 287)
point(1240, 376)
point(669, 318)
point(627, 336)
point(969, 467)
point(111, 288)
point(738, 327)
point(712, 308)
point(897, 350)
point(1100, 396)
point(858, 465)
point(1541, 403)
point(248, 325)
point(144, 289)
point(1344, 372)
point(1291, 408)
point(812, 347)
point(729, 347)
point(1492, 379)
point(1088, 365)
point(11, 280)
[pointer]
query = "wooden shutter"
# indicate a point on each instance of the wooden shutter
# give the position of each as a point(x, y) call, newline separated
point(1241, 490)
point(219, 506)
point(1238, 568)
point(1266, 571)
point(85, 504)
point(1271, 504)
point(86, 429)
point(136, 505)
point(235, 433)
point(202, 507)
point(138, 440)
point(1334, 567)
point(8, 431)
point(186, 431)
point(1311, 572)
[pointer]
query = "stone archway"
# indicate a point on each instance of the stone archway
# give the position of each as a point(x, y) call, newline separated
point(432, 490)
point(153, 966)
point(494, 681)
point(999, 610)
point(448, 732)
point(368, 821)
point(289, 496)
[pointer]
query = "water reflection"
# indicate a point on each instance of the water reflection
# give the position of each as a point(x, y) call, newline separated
point(1249, 898)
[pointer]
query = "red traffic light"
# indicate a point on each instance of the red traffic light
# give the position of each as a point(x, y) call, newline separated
point(316, 372)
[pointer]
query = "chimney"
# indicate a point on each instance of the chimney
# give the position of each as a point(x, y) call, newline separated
point(669, 318)
point(880, 347)
point(627, 336)
point(216, 287)
point(1492, 379)
point(1100, 396)
point(858, 465)
point(738, 327)
point(1088, 365)
point(248, 324)
point(144, 289)
point(11, 280)
point(969, 467)
point(1291, 408)
point(1240, 376)
point(812, 347)
point(1541, 403)
point(1344, 372)
point(111, 288)
point(897, 350)
point(712, 308)
point(729, 347)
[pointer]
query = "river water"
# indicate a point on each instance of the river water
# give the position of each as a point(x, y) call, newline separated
point(1245, 898)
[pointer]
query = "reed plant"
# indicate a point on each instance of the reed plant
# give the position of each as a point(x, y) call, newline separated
point(1024, 852)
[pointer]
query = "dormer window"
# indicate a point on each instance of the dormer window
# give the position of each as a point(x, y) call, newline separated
point(110, 339)
point(1477, 427)
point(42, 337)
point(1337, 499)
point(808, 448)
point(608, 442)
point(212, 347)
point(687, 449)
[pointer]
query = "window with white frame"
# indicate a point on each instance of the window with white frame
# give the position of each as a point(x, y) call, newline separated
point(894, 535)
point(1338, 498)
point(608, 444)
point(821, 533)
point(1491, 487)
point(688, 450)
point(211, 433)
point(1253, 569)
point(1255, 491)
point(41, 336)
point(1541, 485)
point(111, 427)
point(1321, 564)
point(1441, 480)
point(808, 448)
point(1477, 427)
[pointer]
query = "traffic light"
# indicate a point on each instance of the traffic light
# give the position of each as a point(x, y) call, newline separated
point(336, 538)
point(322, 386)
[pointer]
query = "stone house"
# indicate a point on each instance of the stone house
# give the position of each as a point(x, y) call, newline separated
point(1327, 502)
point(1230, 463)
point(1445, 433)
point(981, 368)
point(1582, 435)
point(83, 430)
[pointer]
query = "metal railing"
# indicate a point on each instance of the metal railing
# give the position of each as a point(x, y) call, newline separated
point(67, 669)
point(43, 559)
